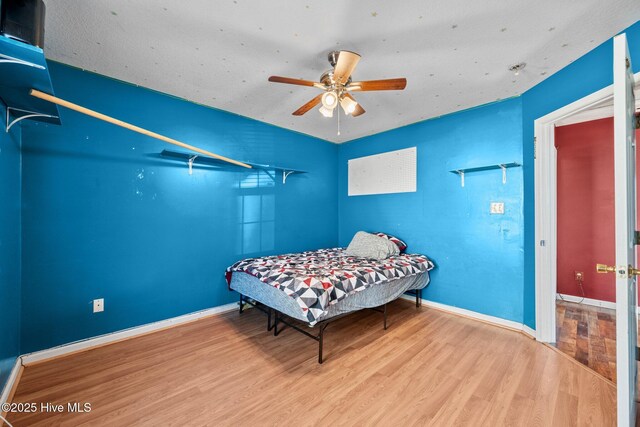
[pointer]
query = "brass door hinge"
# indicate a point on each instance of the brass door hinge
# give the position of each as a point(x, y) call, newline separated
point(636, 237)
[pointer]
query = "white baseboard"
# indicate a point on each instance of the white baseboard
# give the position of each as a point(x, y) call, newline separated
point(529, 331)
point(510, 324)
point(88, 343)
point(11, 383)
point(587, 301)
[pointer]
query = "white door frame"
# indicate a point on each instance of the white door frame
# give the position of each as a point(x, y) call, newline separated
point(545, 187)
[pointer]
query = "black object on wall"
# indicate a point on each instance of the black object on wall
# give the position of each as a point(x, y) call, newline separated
point(23, 20)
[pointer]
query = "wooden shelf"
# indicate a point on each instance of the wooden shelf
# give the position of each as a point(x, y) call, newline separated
point(190, 159)
point(503, 166)
point(23, 67)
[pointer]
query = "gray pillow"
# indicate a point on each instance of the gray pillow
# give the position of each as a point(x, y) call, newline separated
point(365, 245)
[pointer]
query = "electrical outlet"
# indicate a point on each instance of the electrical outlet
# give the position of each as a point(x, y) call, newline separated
point(98, 305)
point(497, 208)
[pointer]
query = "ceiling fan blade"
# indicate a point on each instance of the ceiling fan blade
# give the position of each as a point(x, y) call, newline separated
point(359, 110)
point(288, 80)
point(345, 65)
point(389, 84)
point(308, 106)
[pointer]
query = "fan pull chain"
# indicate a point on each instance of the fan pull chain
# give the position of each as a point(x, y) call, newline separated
point(338, 110)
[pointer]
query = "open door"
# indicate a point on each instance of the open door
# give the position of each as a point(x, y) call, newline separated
point(625, 203)
point(625, 232)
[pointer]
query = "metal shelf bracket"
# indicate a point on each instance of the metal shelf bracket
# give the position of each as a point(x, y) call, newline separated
point(461, 178)
point(25, 115)
point(285, 174)
point(6, 59)
point(191, 160)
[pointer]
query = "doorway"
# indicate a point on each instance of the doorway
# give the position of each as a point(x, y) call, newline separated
point(585, 304)
point(596, 106)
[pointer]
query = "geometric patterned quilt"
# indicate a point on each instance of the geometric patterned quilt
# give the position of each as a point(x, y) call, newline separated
point(317, 279)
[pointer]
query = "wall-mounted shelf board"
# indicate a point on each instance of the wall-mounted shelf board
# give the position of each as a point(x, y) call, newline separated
point(503, 166)
point(190, 159)
point(22, 68)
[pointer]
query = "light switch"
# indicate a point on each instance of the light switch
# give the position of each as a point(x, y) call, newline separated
point(497, 208)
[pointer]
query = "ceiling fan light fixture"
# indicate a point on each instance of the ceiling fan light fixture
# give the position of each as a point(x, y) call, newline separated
point(327, 112)
point(337, 84)
point(348, 105)
point(329, 100)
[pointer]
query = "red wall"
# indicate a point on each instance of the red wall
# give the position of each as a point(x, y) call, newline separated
point(586, 207)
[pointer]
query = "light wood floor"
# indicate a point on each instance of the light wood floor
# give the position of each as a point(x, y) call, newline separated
point(428, 368)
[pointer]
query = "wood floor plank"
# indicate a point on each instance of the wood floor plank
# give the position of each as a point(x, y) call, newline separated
point(507, 389)
point(566, 410)
point(428, 368)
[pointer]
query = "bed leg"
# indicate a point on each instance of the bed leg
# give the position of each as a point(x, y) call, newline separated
point(418, 297)
point(275, 323)
point(269, 327)
point(320, 341)
point(385, 317)
point(241, 303)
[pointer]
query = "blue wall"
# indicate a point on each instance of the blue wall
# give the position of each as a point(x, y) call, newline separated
point(588, 74)
point(479, 256)
point(9, 249)
point(104, 217)
point(486, 263)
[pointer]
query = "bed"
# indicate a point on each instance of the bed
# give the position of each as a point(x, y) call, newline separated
point(308, 290)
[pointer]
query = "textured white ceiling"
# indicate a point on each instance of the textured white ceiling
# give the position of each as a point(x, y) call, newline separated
point(455, 54)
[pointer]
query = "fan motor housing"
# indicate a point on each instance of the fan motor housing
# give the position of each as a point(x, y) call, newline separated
point(327, 79)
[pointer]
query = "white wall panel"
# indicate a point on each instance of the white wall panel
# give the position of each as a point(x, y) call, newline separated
point(392, 172)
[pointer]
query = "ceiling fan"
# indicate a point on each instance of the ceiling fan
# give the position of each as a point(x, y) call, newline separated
point(338, 85)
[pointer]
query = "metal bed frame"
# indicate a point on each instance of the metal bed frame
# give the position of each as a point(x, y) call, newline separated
point(286, 320)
